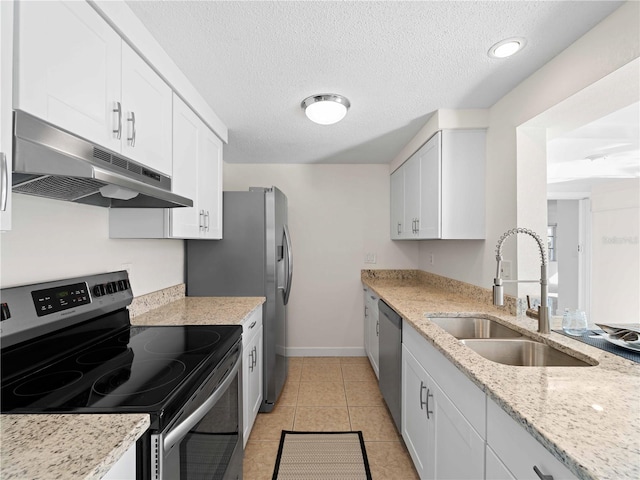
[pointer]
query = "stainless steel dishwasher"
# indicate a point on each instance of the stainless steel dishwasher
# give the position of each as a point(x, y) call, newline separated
point(390, 360)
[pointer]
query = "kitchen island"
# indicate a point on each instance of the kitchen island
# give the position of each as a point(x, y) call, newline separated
point(586, 417)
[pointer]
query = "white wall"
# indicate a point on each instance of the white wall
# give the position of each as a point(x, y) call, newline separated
point(616, 252)
point(52, 240)
point(568, 233)
point(516, 188)
point(337, 213)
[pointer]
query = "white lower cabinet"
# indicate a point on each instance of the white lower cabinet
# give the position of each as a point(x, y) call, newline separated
point(436, 433)
point(125, 467)
point(371, 328)
point(251, 370)
point(495, 469)
point(517, 451)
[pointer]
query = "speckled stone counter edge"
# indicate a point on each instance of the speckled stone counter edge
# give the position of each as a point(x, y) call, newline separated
point(150, 301)
point(471, 292)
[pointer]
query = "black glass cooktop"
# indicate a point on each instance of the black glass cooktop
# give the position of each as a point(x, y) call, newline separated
point(134, 369)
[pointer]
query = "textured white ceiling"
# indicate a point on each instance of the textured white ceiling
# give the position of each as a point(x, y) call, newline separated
point(397, 62)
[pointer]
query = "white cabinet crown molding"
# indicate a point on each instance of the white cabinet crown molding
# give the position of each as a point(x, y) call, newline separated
point(131, 29)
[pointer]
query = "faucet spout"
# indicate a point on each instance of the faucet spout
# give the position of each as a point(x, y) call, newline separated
point(498, 288)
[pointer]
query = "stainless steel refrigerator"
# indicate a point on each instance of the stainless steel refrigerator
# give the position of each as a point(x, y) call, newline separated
point(253, 259)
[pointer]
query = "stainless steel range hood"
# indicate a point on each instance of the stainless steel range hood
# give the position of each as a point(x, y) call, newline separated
point(53, 163)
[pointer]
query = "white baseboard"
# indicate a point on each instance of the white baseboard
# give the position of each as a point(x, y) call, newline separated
point(325, 352)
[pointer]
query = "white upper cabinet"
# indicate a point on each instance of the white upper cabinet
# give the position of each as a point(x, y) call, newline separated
point(74, 71)
point(147, 114)
point(6, 121)
point(440, 189)
point(397, 204)
point(196, 173)
point(197, 169)
point(68, 62)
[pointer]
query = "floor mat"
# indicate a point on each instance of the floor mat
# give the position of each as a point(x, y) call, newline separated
point(321, 456)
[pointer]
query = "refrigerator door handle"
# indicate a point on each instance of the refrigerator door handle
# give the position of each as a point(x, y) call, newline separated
point(289, 273)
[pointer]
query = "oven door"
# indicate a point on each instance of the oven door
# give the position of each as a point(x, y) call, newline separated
point(205, 441)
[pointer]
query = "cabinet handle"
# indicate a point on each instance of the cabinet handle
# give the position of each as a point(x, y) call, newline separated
point(413, 225)
point(541, 475)
point(378, 328)
point(4, 181)
point(206, 221)
point(417, 226)
point(132, 139)
point(366, 312)
point(399, 228)
point(251, 361)
point(201, 221)
point(422, 387)
point(429, 411)
point(255, 357)
point(117, 108)
point(253, 324)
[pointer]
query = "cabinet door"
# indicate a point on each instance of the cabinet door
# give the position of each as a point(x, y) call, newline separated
point(366, 319)
point(210, 184)
point(147, 118)
point(374, 339)
point(255, 384)
point(454, 439)
point(412, 196)
point(6, 122)
point(430, 216)
point(397, 204)
point(417, 431)
point(495, 469)
point(186, 222)
point(68, 68)
point(252, 382)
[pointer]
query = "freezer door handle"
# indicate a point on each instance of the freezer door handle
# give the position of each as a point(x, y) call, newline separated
point(289, 273)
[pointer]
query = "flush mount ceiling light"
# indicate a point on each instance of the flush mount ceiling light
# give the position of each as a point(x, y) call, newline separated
point(507, 47)
point(325, 109)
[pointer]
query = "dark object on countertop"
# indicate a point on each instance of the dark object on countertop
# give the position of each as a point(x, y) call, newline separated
point(595, 339)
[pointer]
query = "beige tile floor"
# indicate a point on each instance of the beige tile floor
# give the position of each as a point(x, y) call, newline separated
point(330, 394)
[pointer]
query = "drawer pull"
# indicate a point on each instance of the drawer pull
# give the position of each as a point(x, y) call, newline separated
point(431, 411)
point(541, 475)
point(252, 325)
point(422, 387)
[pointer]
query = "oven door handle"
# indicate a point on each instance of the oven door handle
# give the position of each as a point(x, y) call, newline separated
point(180, 431)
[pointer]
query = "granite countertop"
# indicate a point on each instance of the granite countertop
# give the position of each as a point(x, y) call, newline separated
point(587, 417)
point(77, 446)
point(69, 446)
point(201, 311)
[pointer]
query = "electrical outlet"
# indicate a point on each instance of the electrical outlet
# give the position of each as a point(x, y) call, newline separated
point(369, 258)
point(505, 270)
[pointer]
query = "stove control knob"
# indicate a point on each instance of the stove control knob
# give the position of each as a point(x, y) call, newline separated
point(122, 286)
point(110, 287)
point(98, 290)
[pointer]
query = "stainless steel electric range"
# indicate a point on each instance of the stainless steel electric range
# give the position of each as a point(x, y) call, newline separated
point(68, 347)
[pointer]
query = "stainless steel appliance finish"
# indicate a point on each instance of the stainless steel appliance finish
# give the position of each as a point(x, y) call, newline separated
point(390, 360)
point(53, 163)
point(254, 258)
point(68, 347)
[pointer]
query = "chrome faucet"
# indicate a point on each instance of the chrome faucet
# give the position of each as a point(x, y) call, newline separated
point(498, 290)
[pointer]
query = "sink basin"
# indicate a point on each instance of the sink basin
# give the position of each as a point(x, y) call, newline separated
point(523, 353)
point(474, 327)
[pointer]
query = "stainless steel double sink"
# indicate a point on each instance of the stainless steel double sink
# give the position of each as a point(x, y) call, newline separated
point(501, 344)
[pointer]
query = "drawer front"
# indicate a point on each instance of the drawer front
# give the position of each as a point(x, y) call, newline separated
point(467, 397)
point(251, 326)
point(518, 450)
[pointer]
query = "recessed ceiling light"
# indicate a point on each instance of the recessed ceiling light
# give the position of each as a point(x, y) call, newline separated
point(507, 47)
point(325, 109)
